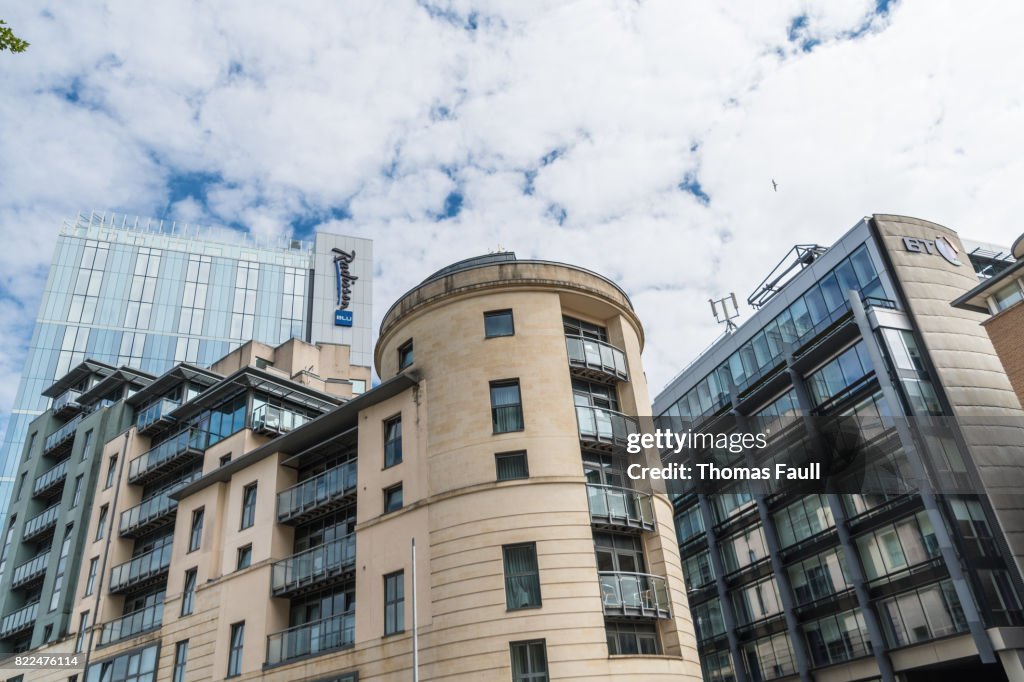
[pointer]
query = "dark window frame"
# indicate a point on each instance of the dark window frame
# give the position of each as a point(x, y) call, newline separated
point(236, 649)
point(506, 383)
point(245, 551)
point(499, 314)
point(394, 608)
point(188, 592)
point(248, 519)
point(392, 445)
point(521, 583)
point(406, 355)
point(387, 492)
point(101, 523)
point(195, 533)
point(180, 661)
point(537, 671)
point(499, 456)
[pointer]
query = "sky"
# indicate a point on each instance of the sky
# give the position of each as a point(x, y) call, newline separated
point(638, 139)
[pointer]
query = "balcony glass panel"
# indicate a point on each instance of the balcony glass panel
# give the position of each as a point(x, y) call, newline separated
point(314, 564)
point(67, 399)
point(170, 449)
point(19, 620)
point(321, 489)
point(144, 566)
point(597, 355)
point(634, 593)
point(331, 633)
point(30, 569)
point(620, 506)
point(132, 624)
point(51, 477)
point(273, 419)
point(62, 434)
point(42, 521)
point(606, 426)
point(154, 412)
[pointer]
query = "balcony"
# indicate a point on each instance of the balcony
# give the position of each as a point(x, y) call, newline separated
point(603, 429)
point(156, 512)
point(314, 568)
point(132, 624)
point(310, 639)
point(319, 495)
point(142, 570)
point(596, 360)
point(61, 440)
point(637, 595)
point(32, 571)
point(66, 404)
point(153, 418)
point(42, 524)
point(172, 455)
point(274, 421)
point(19, 621)
point(617, 508)
point(51, 480)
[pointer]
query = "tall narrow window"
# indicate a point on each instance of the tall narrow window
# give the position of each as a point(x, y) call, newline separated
point(244, 557)
point(90, 582)
point(393, 498)
point(506, 406)
point(180, 661)
point(498, 323)
point(62, 564)
point(392, 442)
point(188, 593)
point(249, 506)
point(522, 579)
point(83, 625)
point(86, 444)
point(195, 536)
point(77, 497)
point(111, 470)
point(21, 485)
point(31, 445)
point(405, 355)
point(394, 602)
point(529, 661)
point(235, 654)
point(7, 544)
point(101, 523)
point(511, 466)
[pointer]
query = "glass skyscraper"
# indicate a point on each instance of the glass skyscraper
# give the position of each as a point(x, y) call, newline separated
point(148, 294)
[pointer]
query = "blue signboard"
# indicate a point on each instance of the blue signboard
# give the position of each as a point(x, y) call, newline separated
point(342, 318)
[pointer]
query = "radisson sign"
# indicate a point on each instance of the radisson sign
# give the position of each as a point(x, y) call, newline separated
point(344, 280)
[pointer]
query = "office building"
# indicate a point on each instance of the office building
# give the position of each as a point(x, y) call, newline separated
point(916, 574)
point(495, 445)
point(141, 293)
point(110, 424)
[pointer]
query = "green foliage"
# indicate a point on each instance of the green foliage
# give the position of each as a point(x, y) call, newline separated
point(9, 41)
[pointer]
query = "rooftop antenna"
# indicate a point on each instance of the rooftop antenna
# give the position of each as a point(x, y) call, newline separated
point(720, 309)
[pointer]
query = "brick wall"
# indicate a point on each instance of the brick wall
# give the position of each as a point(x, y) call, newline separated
point(1007, 333)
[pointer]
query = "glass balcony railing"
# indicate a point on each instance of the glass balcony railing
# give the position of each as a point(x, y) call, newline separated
point(328, 634)
point(319, 494)
point(596, 359)
point(42, 522)
point(620, 507)
point(67, 402)
point(50, 478)
point(131, 624)
point(62, 437)
point(19, 620)
point(634, 594)
point(154, 413)
point(605, 428)
point(167, 455)
point(314, 566)
point(153, 512)
point(277, 420)
point(140, 569)
point(31, 570)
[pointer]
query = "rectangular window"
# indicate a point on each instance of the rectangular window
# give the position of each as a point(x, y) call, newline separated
point(90, 583)
point(83, 625)
point(235, 654)
point(522, 578)
point(249, 506)
point(506, 406)
point(511, 465)
point(180, 661)
point(188, 593)
point(111, 470)
point(244, 557)
point(87, 445)
point(394, 602)
point(392, 498)
point(498, 323)
point(196, 533)
point(405, 355)
point(21, 484)
point(78, 492)
point(392, 442)
point(529, 661)
point(628, 639)
point(225, 459)
point(101, 524)
point(62, 563)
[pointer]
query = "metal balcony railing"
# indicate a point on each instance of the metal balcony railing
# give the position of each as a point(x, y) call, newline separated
point(32, 570)
point(50, 479)
point(131, 624)
point(155, 413)
point(634, 594)
point(167, 456)
point(141, 569)
point(273, 420)
point(42, 522)
point(62, 438)
point(620, 507)
point(322, 493)
point(17, 621)
point(67, 403)
point(328, 634)
point(314, 567)
point(596, 359)
point(154, 512)
point(605, 429)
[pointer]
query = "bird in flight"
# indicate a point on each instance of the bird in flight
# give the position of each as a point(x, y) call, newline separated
point(775, 185)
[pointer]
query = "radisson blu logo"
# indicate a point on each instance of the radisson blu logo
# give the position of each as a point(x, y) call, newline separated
point(941, 246)
point(344, 280)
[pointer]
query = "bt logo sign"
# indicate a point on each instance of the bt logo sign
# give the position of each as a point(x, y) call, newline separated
point(941, 246)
